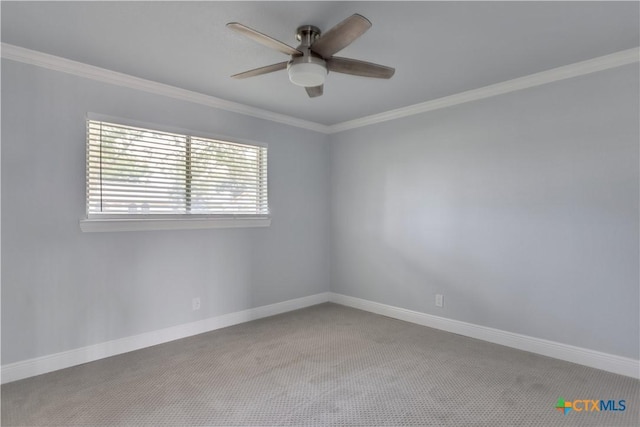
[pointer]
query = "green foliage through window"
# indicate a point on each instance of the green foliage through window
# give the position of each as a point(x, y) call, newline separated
point(135, 171)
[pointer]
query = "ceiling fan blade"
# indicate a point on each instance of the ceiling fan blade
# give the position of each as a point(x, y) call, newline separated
point(263, 39)
point(314, 91)
point(341, 36)
point(261, 70)
point(359, 68)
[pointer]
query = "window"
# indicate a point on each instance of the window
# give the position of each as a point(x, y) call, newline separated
point(137, 174)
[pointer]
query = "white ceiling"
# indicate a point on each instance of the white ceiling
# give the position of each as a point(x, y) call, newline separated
point(437, 48)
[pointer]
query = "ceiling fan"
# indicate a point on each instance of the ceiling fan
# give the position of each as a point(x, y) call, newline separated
point(312, 60)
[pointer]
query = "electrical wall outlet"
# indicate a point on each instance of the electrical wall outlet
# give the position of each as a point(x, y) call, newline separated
point(195, 303)
point(439, 300)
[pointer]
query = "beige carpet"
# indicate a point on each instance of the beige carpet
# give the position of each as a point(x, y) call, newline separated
point(323, 365)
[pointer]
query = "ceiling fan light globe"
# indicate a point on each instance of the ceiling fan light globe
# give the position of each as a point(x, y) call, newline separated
point(307, 74)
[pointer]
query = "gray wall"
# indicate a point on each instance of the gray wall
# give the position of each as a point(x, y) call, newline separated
point(521, 209)
point(63, 289)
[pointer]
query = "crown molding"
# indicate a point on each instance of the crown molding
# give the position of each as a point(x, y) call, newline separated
point(56, 63)
point(600, 63)
point(80, 69)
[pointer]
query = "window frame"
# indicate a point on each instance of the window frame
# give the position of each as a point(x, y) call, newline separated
point(140, 222)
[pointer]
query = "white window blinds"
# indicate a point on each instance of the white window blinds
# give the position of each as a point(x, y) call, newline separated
point(135, 172)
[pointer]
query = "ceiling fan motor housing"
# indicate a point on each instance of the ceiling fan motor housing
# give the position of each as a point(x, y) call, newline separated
point(309, 69)
point(307, 34)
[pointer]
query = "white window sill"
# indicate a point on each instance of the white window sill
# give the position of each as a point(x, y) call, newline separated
point(106, 225)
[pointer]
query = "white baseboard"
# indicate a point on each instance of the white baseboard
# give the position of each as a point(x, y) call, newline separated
point(594, 359)
point(53, 362)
